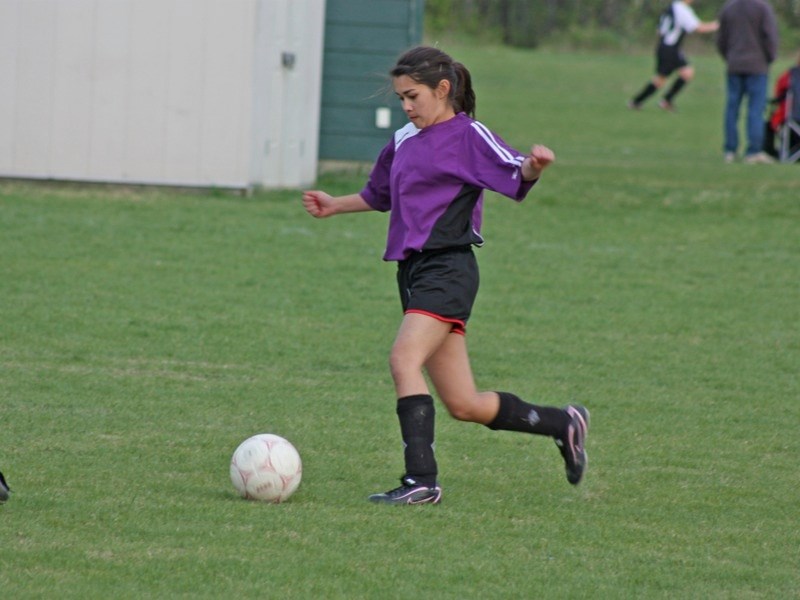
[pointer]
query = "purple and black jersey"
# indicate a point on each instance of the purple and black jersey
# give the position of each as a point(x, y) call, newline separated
point(432, 181)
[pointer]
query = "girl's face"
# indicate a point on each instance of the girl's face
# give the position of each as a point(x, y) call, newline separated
point(424, 106)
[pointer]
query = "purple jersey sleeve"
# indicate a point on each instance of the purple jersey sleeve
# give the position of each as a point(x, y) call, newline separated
point(377, 191)
point(494, 165)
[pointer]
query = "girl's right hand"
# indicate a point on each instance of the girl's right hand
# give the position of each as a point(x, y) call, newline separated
point(318, 204)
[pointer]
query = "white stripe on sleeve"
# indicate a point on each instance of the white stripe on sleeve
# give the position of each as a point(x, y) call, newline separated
point(504, 154)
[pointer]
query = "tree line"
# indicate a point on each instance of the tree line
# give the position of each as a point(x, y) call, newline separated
point(531, 22)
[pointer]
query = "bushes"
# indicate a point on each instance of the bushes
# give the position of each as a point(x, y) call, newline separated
point(529, 23)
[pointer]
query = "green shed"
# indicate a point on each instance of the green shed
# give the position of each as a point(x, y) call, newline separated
point(363, 38)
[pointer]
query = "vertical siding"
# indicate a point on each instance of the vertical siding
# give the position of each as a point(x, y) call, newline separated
point(363, 39)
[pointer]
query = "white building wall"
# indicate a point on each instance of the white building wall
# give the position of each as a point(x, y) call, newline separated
point(291, 40)
point(177, 92)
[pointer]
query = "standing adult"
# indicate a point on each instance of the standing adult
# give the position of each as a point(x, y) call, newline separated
point(675, 22)
point(748, 41)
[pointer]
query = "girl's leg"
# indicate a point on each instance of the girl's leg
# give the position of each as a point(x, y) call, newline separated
point(450, 371)
point(451, 374)
point(685, 75)
point(418, 337)
point(648, 90)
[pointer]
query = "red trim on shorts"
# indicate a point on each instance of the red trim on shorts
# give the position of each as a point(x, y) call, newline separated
point(459, 326)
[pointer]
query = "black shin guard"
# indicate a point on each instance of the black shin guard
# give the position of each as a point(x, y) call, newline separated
point(646, 92)
point(417, 416)
point(516, 415)
point(676, 87)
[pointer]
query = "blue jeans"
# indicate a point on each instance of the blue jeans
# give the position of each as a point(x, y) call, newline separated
point(755, 88)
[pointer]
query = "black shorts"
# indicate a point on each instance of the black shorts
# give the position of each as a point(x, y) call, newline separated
point(442, 284)
point(669, 59)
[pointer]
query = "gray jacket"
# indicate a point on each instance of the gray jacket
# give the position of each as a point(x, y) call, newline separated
point(748, 36)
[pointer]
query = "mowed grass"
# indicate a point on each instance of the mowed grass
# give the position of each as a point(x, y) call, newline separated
point(145, 333)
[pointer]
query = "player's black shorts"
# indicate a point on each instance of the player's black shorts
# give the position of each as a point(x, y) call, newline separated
point(441, 283)
point(669, 59)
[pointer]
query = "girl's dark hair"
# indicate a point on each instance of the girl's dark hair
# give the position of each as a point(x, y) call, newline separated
point(429, 66)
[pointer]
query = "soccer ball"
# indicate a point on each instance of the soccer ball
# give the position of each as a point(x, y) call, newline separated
point(266, 467)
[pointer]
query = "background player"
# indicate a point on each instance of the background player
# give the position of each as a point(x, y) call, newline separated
point(675, 22)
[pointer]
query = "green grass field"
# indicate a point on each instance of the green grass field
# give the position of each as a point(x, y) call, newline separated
point(145, 333)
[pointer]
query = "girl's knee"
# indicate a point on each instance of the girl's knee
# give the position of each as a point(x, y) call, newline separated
point(400, 364)
point(463, 411)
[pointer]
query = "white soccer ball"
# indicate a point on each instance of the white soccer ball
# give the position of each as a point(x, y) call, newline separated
point(266, 467)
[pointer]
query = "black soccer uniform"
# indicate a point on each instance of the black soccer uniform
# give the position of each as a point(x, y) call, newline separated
point(676, 21)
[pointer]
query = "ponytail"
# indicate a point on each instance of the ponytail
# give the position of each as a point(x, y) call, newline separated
point(464, 95)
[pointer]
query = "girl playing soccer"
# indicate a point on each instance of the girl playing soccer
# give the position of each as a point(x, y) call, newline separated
point(431, 176)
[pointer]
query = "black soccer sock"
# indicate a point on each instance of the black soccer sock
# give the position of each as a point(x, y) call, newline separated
point(677, 86)
point(517, 415)
point(417, 416)
point(648, 91)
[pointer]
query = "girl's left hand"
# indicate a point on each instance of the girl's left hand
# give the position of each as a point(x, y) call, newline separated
point(536, 162)
point(541, 157)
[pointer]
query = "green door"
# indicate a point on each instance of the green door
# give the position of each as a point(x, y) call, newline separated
point(363, 38)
